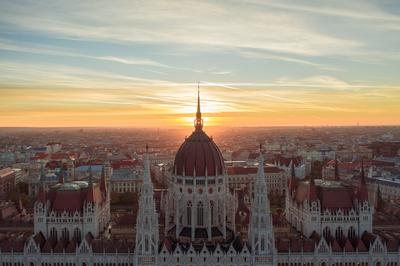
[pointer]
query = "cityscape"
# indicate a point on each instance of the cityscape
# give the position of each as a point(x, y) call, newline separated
point(254, 133)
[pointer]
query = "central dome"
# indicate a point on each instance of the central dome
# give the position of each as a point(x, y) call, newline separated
point(199, 155)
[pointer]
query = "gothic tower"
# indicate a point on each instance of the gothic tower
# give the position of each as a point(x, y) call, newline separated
point(261, 231)
point(146, 248)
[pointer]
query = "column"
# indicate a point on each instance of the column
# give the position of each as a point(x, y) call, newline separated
point(224, 216)
point(209, 220)
point(166, 222)
point(194, 208)
point(177, 228)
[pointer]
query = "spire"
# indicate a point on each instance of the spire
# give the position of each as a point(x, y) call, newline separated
point(147, 225)
point(260, 231)
point(362, 189)
point(260, 168)
point(292, 181)
point(42, 171)
point(198, 122)
point(146, 164)
point(103, 187)
point(336, 169)
point(380, 203)
point(312, 190)
point(292, 169)
point(41, 194)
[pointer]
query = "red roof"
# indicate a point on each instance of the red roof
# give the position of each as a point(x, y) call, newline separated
point(312, 191)
point(41, 195)
point(332, 198)
point(199, 155)
point(348, 247)
point(287, 160)
point(362, 189)
point(72, 200)
point(39, 156)
point(123, 164)
point(244, 170)
point(59, 156)
point(360, 246)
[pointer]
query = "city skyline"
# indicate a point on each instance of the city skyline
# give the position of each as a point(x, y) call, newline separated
point(259, 63)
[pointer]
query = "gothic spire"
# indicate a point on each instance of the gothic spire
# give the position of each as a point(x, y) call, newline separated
point(198, 123)
point(336, 169)
point(362, 190)
point(146, 165)
point(103, 187)
point(312, 190)
point(260, 170)
point(292, 181)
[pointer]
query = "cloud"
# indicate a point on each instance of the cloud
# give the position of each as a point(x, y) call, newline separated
point(359, 10)
point(215, 24)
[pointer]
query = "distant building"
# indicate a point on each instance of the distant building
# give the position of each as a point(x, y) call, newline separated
point(7, 181)
point(329, 208)
point(245, 176)
point(72, 210)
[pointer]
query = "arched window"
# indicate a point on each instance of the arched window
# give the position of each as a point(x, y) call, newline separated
point(262, 244)
point(326, 233)
point(212, 211)
point(53, 233)
point(339, 233)
point(146, 244)
point(189, 213)
point(77, 235)
point(200, 214)
point(65, 234)
point(352, 232)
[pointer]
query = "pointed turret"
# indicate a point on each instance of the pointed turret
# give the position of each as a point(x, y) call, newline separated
point(198, 122)
point(312, 190)
point(362, 189)
point(42, 172)
point(146, 167)
point(103, 186)
point(337, 178)
point(261, 233)
point(260, 168)
point(379, 202)
point(90, 191)
point(147, 219)
point(292, 181)
point(41, 194)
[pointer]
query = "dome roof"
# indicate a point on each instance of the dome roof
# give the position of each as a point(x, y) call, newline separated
point(199, 155)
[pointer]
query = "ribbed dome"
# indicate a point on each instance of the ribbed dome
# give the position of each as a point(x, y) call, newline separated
point(198, 153)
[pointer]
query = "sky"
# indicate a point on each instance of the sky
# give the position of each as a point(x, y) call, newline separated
point(258, 63)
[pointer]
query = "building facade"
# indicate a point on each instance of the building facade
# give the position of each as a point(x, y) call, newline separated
point(329, 208)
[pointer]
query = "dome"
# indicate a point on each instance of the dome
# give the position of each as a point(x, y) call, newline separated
point(199, 155)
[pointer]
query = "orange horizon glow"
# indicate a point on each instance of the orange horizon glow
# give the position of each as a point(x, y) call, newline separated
point(175, 107)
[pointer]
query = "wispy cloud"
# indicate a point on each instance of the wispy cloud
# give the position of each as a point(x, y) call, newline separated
point(225, 26)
